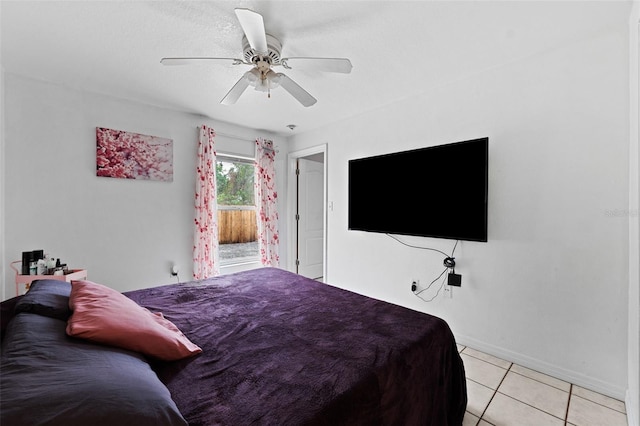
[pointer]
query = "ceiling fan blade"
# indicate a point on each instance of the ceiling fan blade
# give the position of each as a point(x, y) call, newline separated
point(296, 91)
point(195, 60)
point(235, 92)
point(253, 27)
point(341, 65)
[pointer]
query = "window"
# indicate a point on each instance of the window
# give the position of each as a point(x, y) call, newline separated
point(237, 225)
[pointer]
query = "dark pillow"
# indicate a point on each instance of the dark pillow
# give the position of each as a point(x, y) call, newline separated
point(46, 297)
point(48, 377)
point(7, 308)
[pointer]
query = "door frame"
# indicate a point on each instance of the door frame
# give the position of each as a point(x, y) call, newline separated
point(292, 198)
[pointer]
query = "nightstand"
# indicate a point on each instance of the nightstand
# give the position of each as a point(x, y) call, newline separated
point(25, 280)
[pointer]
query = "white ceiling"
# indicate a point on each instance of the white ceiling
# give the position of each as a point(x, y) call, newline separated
point(397, 48)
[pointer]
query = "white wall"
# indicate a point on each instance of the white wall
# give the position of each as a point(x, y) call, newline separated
point(3, 264)
point(126, 233)
point(549, 289)
point(633, 393)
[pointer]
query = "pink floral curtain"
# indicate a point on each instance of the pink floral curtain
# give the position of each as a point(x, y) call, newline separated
point(205, 245)
point(266, 203)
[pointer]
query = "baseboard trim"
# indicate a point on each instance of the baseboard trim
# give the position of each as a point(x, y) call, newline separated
point(631, 404)
point(582, 380)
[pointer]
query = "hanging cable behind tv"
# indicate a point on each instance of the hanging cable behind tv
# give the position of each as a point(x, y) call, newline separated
point(449, 263)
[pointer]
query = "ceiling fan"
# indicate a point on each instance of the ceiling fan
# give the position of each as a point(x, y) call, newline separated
point(262, 52)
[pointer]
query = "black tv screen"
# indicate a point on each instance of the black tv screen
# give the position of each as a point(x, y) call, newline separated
point(438, 191)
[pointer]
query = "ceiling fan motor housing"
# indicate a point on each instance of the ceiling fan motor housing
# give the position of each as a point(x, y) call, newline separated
point(274, 48)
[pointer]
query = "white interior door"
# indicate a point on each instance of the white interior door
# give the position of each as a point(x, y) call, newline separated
point(310, 218)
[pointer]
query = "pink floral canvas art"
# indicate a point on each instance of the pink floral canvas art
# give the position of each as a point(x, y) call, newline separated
point(129, 155)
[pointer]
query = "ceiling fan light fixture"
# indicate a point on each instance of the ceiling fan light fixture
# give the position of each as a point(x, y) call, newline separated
point(274, 79)
point(262, 86)
point(252, 76)
point(262, 82)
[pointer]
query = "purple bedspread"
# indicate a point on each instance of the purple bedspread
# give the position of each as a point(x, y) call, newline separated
point(281, 349)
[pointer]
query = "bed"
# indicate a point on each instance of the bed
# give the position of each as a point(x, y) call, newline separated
point(276, 349)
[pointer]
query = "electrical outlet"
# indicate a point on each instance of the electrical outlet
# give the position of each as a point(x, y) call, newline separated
point(174, 270)
point(414, 285)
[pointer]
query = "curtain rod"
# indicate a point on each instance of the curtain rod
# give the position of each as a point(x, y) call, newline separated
point(226, 135)
point(245, 140)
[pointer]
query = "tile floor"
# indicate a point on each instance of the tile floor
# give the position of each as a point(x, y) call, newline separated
point(501, 393)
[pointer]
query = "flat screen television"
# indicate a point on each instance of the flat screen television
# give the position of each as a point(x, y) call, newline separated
point(438, 191)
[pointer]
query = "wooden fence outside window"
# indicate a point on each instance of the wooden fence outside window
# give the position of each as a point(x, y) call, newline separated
point(237, 226)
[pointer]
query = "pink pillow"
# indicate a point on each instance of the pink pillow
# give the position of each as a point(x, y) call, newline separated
point(104, 315)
